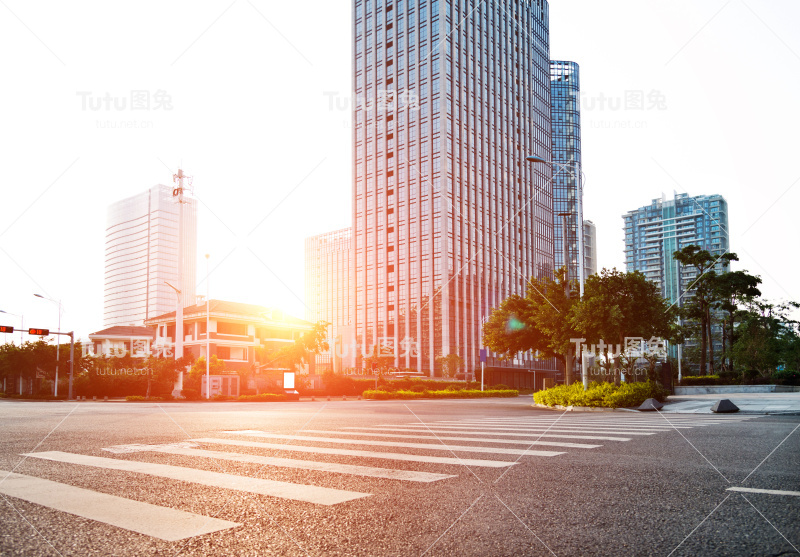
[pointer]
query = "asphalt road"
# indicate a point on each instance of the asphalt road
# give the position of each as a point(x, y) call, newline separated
point(591, 484)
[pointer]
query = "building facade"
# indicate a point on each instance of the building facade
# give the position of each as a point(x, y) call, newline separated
point(141, 256)
point(236, 332)
point(567, 168)
point(449, 218)
point(589, 249)
point(120, 340)
point(654, 232)
point(328, 283)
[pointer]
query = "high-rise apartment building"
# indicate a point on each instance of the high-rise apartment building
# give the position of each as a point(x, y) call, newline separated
point(589, 249)
point(567, 184)
point(654, 232)
point(141, 256)
point(328, 284)
point(449, 218)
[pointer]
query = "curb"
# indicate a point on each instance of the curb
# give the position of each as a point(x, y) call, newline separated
point(560, 408)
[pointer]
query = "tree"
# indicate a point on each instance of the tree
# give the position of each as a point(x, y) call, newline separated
point(450, 364)
point(309, 344)
point(730, 291)
point(198, 371)
point(618, 305)
point(700, 304)
point(615, 305)
point(381, 360)
point(540, 322)
point(164, 371)
point(767, 338)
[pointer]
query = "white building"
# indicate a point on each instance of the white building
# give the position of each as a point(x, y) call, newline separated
point(119, 340)
point(589, 249)
point(141, 256)
point(329, 279)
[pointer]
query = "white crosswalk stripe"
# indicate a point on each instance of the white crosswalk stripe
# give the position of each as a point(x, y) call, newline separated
point(285, 490)
point(397, 444)
point(567, 423)
point(334, 467)
point(466, 431)
point(544, 429)
point(368, 454)
point(151, 520)
point(438, 438)
point(416, 442)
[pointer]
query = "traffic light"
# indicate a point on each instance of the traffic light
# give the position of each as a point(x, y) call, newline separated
point(4, 329)
point(41, 332)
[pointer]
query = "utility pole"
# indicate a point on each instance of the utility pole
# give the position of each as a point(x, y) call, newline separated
point(177, 193)
point(568, 363)
point(58, 344)
point(208, 333)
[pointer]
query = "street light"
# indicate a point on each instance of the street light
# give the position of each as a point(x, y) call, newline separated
point(178, 328)
point(58, 342)
point(579, 217)
point(21, 323)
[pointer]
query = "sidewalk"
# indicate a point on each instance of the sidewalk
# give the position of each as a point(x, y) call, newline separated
point(753, 403)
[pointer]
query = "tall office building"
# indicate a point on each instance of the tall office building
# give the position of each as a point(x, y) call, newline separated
point(449, 218)
point(328, 278)
point(654, 232)
point(141, 256)
point(567, 184)
point(589, 249)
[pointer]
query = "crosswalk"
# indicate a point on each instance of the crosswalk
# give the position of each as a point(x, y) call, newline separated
point(376, 453)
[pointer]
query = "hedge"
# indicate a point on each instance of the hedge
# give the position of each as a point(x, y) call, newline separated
point(263, 397)
point(412, 395)
point(605, 395)
point(692, 380)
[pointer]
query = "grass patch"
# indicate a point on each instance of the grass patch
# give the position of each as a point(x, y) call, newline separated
point(601, 395)
point(416, 394)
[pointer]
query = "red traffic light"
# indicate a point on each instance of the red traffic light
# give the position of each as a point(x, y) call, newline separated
point(4, 329)
point(42, 332)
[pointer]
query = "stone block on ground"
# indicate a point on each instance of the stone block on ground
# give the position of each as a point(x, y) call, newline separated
point(724, 406)
point(650, 405)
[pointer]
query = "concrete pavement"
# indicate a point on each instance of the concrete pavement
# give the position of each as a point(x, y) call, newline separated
point(758, 403)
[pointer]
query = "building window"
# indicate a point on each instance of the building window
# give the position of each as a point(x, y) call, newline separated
point(225, 328)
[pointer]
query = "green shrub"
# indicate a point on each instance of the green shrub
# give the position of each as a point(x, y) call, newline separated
point(134, 398)
point(410, 395)
point(191, 394)
point(692, 380)
point(264, 397)
point(501, 387)
point(786, 377)
point(605, 395)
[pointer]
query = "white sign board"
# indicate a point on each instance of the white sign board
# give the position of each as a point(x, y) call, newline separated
point(288, 380)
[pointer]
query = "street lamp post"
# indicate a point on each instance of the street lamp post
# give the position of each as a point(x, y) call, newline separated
point(578, 217)
point(208, 333)
point(58, 344)
point(178, 329)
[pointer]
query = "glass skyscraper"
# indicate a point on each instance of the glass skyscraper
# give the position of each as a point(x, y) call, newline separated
point(141, 255)
point(654, 232)
point(567, 184)
point(449, 218)
point(329, 269)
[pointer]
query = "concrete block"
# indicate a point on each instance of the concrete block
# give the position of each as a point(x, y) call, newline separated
point(650, 405)
point(724, 406)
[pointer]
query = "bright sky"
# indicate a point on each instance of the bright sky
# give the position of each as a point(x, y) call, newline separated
point(260, 116)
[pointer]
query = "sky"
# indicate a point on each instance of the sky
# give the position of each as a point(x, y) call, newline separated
point(251, 98)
